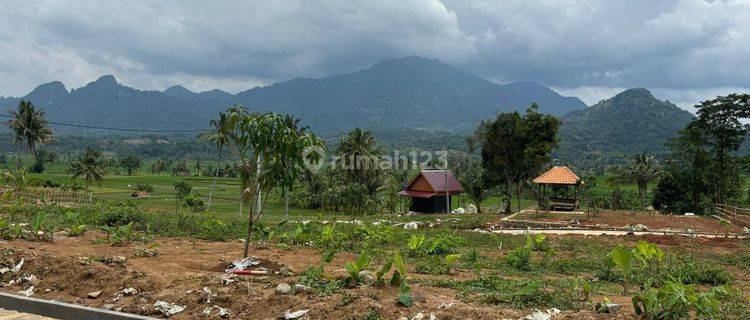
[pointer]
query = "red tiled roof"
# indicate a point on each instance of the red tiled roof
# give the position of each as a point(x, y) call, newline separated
point(558, 175)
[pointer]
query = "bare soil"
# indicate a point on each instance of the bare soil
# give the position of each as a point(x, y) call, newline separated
point(622, 219)
point(70, 268)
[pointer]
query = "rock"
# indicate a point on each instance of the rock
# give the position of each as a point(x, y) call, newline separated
point(301, 288)
point(459, 211)
point(119, 260)
point(4, 270)
point(367, 277)
point(445, 305)
point(294, 315)
point(168, 309)
point(411, 225)
point(611, 307)
point(689, 214)
point(283, 289)
point(108, 306)
point(224, 312)
point(637, 227)
point(286, 271)
point(28, 292)
point(225, 281)
point(471, 209)
point(128, 291)
point(95, 294)
point(418, 316)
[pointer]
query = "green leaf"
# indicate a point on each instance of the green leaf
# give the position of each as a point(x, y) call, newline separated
point(452, 258)
point(529, 289)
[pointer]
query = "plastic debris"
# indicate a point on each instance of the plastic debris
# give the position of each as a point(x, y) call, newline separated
point(296, 314)
point(471, 209)
point(411, 225)
point(540, 315)
point(689, 214)
point(31, 279)
point(17, 267)
point(445, 305)
point(4, 270)
point(168, 309)
point(28, 292)
point(242, 264)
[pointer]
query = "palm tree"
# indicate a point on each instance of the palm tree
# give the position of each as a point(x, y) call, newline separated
point(29, 125)
point(358, 152)
point(89, 165)
point(641, 170)
point(221, 129)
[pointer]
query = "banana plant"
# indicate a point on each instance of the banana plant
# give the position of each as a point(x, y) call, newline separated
point(37, 225)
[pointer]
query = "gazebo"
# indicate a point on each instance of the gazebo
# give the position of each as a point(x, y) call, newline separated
point(428, 191)
point(560, 179)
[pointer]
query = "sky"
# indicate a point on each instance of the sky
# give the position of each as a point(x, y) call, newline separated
point(684, 51)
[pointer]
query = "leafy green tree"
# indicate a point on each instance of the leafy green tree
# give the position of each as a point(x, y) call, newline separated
point(182, 190)
point(90, 165)
point(30, 126)
point(472, 177)
point(130, 163)
point(261, 140)
point(641, 170)
point(515, 147)
point(221, 129)
point(720, 118)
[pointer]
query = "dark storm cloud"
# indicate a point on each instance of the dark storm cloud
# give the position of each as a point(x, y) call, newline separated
point(680, 47)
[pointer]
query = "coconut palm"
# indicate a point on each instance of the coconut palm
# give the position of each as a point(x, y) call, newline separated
point(30, 126)
point(641, 170)
point(358, 153)
point(89, 165)
point(221, 129)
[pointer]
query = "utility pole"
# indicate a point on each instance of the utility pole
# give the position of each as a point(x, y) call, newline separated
point(447, 188)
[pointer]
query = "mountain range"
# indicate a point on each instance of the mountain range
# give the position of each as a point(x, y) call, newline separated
point(633, 121)
point(410, 92)
point(406, 101)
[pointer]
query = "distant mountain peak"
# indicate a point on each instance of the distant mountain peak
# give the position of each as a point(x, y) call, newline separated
point(106, 80)
point(48, 93)
point(178, 91)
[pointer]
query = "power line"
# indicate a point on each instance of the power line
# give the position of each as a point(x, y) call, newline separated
point(114, 129)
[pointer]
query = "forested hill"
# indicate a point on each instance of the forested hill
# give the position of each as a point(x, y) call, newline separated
point(633, 121)
point(411, 92)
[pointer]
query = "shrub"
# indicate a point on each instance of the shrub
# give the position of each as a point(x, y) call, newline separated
point(676, 301)
point(145, 187)
point(195, 202)
point(519, 258)
point(121, 214)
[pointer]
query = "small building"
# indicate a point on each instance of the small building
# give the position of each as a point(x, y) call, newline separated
point(428, 191)
point(564, 187)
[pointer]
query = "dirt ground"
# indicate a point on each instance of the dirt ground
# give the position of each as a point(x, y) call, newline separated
point(184, 271)
point(622, 219)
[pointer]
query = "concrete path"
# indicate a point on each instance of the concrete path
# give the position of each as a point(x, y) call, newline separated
point(590, 232)
point(13, 315)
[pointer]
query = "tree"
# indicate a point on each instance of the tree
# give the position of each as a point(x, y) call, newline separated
point(182, 190)
point(221, 129)
point(358, 159)
point(90, 165)
point(720, 118)
point(261, 140)
point(472, 177)
point(641, 170)
point(514, 147)
point(130, 163)
point(30, 126)
point(290, 158)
